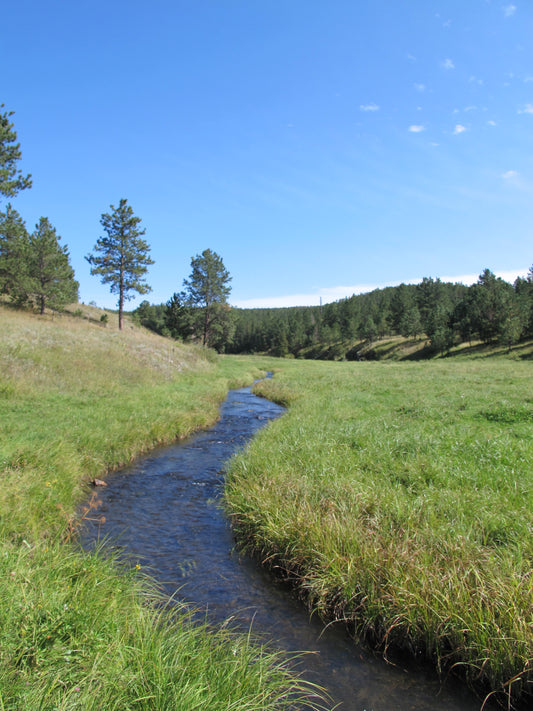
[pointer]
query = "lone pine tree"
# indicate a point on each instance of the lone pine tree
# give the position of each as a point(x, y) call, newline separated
point(121, 257)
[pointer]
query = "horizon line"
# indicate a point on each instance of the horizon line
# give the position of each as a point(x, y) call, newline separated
point(328, 295)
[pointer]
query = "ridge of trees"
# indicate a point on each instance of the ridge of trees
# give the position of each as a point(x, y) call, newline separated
point(35, 270)
point(445, 314)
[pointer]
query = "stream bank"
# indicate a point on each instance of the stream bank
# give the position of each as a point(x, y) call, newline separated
point(164, 513)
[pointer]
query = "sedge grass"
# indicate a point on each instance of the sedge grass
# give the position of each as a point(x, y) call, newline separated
point(77, 631)
point(399, 497)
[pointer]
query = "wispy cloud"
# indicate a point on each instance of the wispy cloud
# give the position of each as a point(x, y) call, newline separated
point(447, 64)
point(334, 293)
point(491, 123)
point(420, 87)
point(528, 109)
point(417, 128)
point(509, 174)
point(459, 128)
point(509, 10)
point(369, 107)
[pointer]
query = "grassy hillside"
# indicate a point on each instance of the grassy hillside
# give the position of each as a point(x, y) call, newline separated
point(398, 348)
point(78, 398)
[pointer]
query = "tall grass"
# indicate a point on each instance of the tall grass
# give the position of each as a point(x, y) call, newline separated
point(78, 631)
point(399, 498)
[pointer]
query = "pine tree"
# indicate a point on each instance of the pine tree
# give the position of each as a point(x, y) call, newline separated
point(208, 288)
point(14, 242)
point(122, 257)
point(11, 178)
point(49, 279)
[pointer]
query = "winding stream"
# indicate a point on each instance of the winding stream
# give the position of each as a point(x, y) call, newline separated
point(164, 512)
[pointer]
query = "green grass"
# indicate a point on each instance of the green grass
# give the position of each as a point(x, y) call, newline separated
point(78, 631)
point(398, 497)
point(76, 635)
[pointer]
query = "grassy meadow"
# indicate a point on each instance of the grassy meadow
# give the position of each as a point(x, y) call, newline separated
point(398, 497)
point(78, 398)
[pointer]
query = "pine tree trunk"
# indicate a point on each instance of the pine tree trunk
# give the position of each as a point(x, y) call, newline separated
point(120, 308)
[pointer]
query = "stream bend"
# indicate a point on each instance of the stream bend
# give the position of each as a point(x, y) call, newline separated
point(164, 512)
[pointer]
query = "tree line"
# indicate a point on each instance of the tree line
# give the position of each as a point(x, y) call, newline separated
point(35, 270)
point(444, 314)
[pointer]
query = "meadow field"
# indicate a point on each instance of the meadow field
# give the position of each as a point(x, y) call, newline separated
point(79, 631)
point(398, 497)
point(395, 496)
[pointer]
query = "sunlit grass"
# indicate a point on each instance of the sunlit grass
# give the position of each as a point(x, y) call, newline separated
point(76, 630)
point(399, 497)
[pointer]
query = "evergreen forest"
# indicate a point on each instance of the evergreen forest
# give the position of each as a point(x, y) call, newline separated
point(442, 314)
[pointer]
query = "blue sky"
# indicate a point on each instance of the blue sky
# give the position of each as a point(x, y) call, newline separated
point(321, 148)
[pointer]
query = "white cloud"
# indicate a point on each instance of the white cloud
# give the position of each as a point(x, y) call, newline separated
point(420, 87)
point(417, 128)
point(369, 107)
point(491, 123)
point(334, 293)
point(528, 79)
point(509, 174)
point(509, 275)
point(447, 64)
point(528, 109)
point(325, 295)
point(509, 10)
point(459, 128)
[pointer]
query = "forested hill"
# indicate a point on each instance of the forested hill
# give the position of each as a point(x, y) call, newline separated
point(444, 314)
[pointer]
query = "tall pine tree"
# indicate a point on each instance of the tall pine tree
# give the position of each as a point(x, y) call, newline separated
point(207, 290)
point(121, 257)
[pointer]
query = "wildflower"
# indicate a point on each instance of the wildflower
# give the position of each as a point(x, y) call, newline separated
point(137, 567)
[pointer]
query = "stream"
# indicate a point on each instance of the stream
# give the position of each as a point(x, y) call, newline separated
point(164, 513)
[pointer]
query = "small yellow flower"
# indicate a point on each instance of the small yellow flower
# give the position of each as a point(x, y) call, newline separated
point(137, 567)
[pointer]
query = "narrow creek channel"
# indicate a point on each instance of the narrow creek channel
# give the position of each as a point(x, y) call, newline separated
point(164, 512)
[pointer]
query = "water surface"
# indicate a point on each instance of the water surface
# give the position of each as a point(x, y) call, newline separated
point(164, 512)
